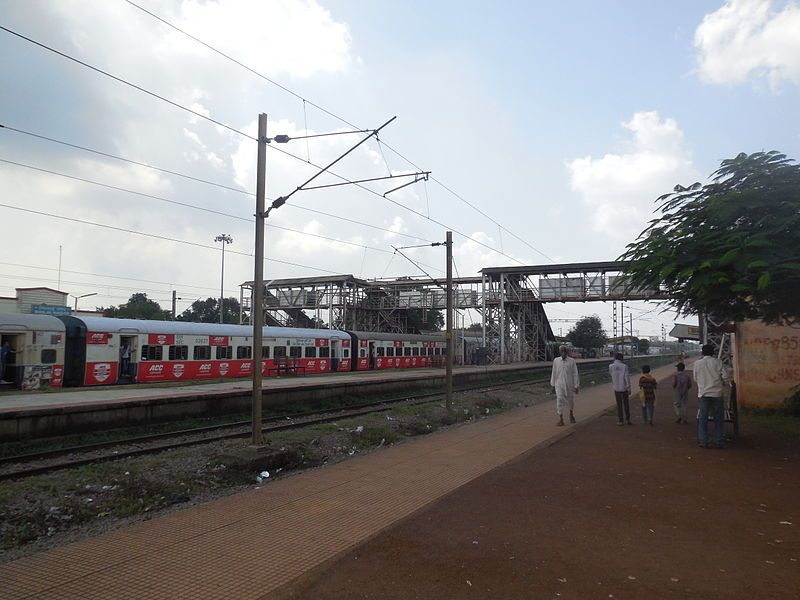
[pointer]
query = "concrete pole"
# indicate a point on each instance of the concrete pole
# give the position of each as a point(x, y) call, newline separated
point(449, 323)
point(257, 309)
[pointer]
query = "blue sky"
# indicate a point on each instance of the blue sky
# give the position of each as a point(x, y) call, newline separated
point(562, 121)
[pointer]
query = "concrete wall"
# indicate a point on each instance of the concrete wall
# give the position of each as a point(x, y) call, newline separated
point(766, 363)
point(28, 297)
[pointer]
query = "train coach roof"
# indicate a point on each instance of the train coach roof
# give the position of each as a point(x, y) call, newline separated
point(109, 325)
point(24, 322)
point(405, 337)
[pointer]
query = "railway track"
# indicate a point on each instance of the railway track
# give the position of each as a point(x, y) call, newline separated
point(26, 465)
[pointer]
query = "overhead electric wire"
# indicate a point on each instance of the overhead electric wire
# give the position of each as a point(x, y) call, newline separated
point(204, 181)
point(191, 206)
point(233, 129)
point(332, 114)
point(128, 83)
point(159, 237)
point(90, 274)
point(127, 160)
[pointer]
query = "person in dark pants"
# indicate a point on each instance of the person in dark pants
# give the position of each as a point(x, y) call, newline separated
point(647, 394)
point(621, 381)
point(709, 375)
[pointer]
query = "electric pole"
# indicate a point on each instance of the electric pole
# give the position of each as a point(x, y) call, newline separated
point(174, 303)
point(449, 323)
point(257, 309)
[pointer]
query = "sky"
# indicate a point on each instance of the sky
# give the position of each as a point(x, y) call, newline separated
point(550, 129)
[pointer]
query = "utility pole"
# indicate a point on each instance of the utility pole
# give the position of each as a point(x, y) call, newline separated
point(622, 321)
point(257, 310)
point(449, 323)
point(615, 328)
point(225, 239)
point(630, 317)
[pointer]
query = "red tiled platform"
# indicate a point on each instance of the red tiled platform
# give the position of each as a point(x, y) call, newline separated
point(246, 545)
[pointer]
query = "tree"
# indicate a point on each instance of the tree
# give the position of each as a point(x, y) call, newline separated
point(424, 320)
point(138, 306)
point(207, 311)
point(588, 333)
point(643, 346)
point(730, 247)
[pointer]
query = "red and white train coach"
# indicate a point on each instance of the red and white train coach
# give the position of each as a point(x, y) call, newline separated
point(106, 351)
point(373, 350)
point(34, 351)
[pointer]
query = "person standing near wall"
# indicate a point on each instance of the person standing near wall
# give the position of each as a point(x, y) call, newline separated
point(709, 375)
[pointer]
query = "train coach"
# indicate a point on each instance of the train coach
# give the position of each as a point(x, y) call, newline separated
point(88, 351)
point(396, 350)
point(102, 351)
point(35, 351)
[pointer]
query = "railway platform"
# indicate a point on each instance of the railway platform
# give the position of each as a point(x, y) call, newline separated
point(251, 544)
point(77, 410)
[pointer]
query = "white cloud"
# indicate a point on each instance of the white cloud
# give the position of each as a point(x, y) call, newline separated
point(294, 37)
point(619, 189)
point(748, 38)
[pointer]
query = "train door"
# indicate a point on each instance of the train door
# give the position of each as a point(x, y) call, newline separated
point(127, 358)
point(372, 356)
point(11, 349)
point(334, 356)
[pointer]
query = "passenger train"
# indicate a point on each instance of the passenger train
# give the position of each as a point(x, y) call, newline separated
point(74, 351)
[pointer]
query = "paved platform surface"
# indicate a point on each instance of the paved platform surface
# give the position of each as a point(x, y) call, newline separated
point(11, 401)
point(248, 545)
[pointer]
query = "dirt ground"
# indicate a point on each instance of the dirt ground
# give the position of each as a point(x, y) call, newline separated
point(608, 512)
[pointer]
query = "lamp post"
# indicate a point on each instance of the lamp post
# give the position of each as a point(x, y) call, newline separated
point(83, 296)
point(225, 239)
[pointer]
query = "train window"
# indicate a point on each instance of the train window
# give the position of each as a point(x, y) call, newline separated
point(280, 352)
point(265, 351)
point(295, 352)
point(380, 351)
point(178, 352)
point(224, 352)
point(311, 352)
point(346, 353)
point(406, 351)
point(152, 352)
point(48, 356)
point(362, 352)
point(244, 352)
point(202, 353)
point(324, 352)
point(415, 351)
point(390, 351)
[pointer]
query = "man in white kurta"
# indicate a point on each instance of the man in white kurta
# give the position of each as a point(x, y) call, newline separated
point(566, 382)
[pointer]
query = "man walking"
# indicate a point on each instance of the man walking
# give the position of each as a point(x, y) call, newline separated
point(621, 380)
point(709, 376)
point(566, 382)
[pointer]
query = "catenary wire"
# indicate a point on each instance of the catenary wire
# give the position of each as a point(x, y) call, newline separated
point(192, 206)
point(233, 129)
point(331, 114)
point(159, 237)
point(204, 181)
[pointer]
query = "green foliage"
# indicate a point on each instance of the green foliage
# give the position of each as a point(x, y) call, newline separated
point(207, 311)
point(731, 247)
point(420, 320)
point(642, 345)
point(588, 333)
point(138, 307)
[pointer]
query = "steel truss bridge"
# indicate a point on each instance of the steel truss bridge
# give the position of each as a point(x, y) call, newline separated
point(507, 301)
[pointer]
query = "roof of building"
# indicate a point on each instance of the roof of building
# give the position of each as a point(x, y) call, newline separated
point(30, 289)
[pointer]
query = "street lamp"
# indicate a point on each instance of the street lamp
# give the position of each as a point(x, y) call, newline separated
point(83, 296)
point(225, 239)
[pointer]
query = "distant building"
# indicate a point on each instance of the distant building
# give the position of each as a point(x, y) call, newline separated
point(41, 301)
